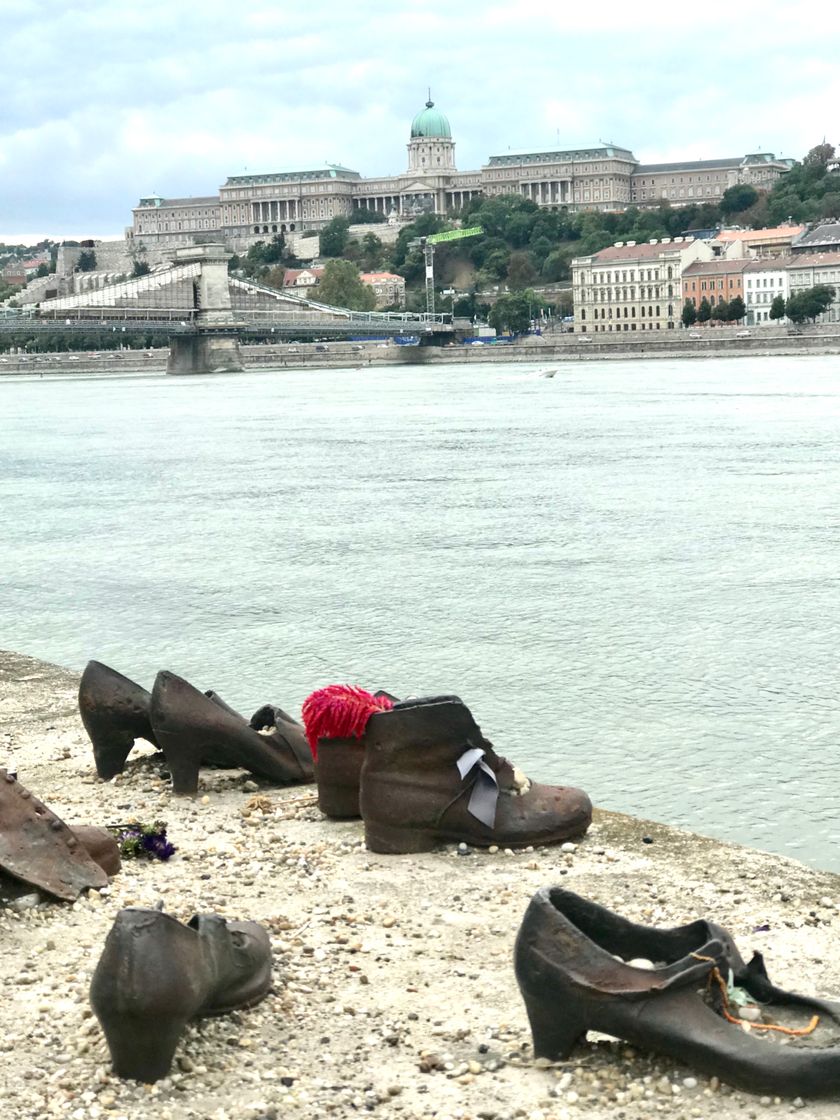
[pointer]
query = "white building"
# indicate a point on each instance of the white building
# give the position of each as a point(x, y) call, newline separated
point(633, 287)
point(764, 280)
point(809, 269)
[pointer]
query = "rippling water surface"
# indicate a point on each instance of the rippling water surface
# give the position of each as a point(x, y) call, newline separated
point(629, 571)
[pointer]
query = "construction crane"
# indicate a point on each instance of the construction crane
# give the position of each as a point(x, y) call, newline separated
point(428, 246)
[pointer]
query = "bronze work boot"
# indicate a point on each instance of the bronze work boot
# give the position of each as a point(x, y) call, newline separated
point(429, 775)
point(156, 973)
point(194, 730)
point(38, 848)
point(115, 712)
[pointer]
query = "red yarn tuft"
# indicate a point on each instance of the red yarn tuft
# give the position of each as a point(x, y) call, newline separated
point(339, 711)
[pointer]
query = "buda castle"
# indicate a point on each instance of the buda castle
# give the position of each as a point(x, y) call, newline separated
point(249, 208)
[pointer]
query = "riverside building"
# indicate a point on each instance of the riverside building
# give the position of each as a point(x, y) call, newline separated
point(249, 208)
point(634, 287)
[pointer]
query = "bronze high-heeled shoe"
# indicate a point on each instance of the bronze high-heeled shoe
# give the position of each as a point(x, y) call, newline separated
point(193, 729)
point(115, 712)
point(571, 981)
point(155, 974)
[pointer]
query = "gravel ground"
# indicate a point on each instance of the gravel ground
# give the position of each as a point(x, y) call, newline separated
point(394, 991)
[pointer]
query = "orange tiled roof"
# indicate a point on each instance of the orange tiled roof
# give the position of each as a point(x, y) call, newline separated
point(758, 234)
point(771, 264)
point(719, 267)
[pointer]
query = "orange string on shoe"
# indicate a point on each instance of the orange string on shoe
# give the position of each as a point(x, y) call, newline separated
point(715, 974)
point(339, 711)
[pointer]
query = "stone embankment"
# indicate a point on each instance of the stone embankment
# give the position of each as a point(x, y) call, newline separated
point(394, 992)
point(554, 348)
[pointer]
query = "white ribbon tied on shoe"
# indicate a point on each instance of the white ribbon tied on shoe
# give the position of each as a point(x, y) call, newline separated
point(485, 792)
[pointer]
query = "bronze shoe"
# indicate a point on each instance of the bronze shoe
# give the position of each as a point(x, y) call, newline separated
point(194, 730)
point(115, 712)
point(155, 974)
point(38, 848)
point(571, 981)
point(429, 775)
point(338, 771)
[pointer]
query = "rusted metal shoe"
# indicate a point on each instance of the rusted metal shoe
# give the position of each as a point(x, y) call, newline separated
point(193, 730)
point(38, 848)
point(429, 775)
point(338, 772)
point(156, 973)
point(335, 718)
point(572, 982)
point(115, 712)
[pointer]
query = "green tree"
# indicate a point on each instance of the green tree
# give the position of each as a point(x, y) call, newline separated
point(720, 312)
point(704, 311)
point(795, 308)
point(141, 268)
point(556, 265)
point(521, 272)
point(341, 287)
point(333, 237)
point(737, 198)
point(86, 261)
point(43, 270)
point(737, 310)
point(812, 302)
point(819, 157)
point(689, 314)
point(371, 252)
point(777, 307)
point(513, 312)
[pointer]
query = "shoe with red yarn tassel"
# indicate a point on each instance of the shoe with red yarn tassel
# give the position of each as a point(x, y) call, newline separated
point(335, 719)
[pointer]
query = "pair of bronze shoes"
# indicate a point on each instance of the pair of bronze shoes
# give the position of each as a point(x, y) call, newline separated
point(38, 849)
point(156, 973)
point(192, 728)
point(422, 773)
point(581, 967)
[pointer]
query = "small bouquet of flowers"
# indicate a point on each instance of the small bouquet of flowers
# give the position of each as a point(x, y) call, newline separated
point(143, 841)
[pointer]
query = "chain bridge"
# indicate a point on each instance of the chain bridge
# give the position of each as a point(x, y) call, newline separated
point(205, 312)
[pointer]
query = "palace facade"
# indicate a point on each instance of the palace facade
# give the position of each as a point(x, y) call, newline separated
point(250, 207)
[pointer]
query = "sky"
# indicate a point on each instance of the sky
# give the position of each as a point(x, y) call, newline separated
point(105, 101)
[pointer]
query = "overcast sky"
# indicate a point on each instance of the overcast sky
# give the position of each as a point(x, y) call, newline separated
point(107, 100)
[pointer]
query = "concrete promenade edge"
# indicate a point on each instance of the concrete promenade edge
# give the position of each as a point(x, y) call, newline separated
point(394, 991)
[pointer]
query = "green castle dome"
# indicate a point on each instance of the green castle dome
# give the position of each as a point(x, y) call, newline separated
point(431, 122)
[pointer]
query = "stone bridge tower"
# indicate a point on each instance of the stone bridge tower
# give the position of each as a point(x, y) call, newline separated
point(214, 347)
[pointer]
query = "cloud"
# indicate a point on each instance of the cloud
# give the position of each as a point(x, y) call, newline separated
point(106, 101)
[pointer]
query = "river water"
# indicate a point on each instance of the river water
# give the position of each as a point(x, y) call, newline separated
point(629, 571)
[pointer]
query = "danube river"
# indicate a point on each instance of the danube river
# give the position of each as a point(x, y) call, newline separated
point(629, 571)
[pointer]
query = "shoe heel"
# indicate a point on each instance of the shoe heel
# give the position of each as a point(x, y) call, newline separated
point(184, 771)
point(110, 754)
point(389, 840)
point(142, 1048)
point(555, 1033)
